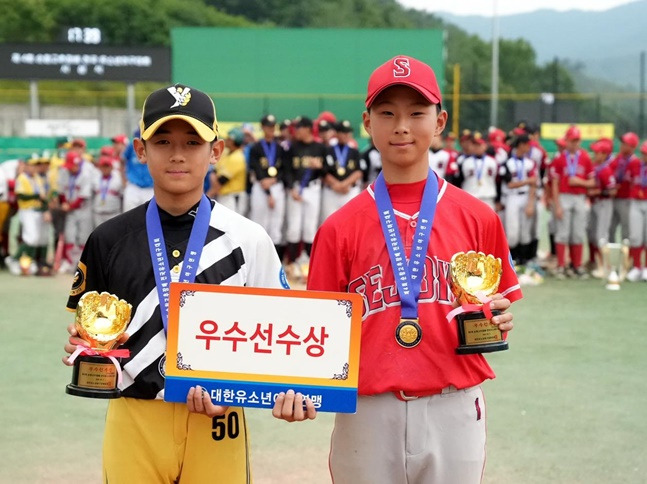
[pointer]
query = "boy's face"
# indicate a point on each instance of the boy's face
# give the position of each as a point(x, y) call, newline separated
point(402, 124)
point(177, 158)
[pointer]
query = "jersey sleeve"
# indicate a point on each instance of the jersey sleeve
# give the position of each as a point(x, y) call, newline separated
point(89, 275)
point(265, 267)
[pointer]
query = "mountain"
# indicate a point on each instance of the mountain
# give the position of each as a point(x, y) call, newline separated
point(605, 44)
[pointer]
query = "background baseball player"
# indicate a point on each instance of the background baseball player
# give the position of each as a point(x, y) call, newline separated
point(477, 173)
point(638, 215)
point(601, 197)
point(439, 157)
point(304, 170)
point(572, 174)
point(343, 172)
point(229, 180)
point(620, 164)
point(108, 189)
point(267, 200)
point(75, 194)
point(519, 179)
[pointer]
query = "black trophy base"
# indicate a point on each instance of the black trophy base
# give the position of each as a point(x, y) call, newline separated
point(93, 377)
point(476, 334)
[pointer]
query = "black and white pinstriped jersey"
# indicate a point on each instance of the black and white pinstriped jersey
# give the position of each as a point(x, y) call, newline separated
point(116, 259)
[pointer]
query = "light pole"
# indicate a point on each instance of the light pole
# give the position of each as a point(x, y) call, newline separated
point(494, 105)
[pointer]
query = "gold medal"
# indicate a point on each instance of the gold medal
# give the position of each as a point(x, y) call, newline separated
point(341, 171)
point(272, 171)
point(176, 253)
point(408, 333)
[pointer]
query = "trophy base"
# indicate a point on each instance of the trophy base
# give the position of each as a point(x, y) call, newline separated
point(476, 334)
point(93, 377)
point(91, 392)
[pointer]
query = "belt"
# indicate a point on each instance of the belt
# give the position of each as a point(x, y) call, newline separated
point(407, 396)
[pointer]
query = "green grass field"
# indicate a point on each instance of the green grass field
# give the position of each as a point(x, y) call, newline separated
point(567, 405)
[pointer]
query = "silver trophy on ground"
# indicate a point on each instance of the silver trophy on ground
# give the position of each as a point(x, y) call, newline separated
point(614, 262)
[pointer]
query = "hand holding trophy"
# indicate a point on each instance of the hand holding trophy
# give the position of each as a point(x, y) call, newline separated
point(100, 320)
point(474, 277)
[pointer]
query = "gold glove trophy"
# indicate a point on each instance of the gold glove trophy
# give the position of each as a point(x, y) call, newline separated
point(613, 264)
point(100, 320)
point(474, 277)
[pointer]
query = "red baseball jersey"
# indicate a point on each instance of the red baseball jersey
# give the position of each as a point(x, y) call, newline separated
point(620, 165)
point(605, 180)
point(350, 255)
point(637, 173)
point(559, 169)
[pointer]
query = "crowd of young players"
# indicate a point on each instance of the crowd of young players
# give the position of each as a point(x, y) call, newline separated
point(297, 172)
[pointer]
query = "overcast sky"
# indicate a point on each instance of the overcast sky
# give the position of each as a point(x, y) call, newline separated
point(506, 7)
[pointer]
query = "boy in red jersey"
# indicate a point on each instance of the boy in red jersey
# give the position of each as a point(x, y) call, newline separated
point(638, 215)
point(571, 175)
point(620, 165)
point(420, 415)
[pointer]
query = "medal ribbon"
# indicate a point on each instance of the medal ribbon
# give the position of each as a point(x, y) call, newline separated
point(157, 248)
point(571, 163)
point(622, 168)
point(408, 275)
point(341, 155)
point(71, 186)
point(479, 164)
point(643, 175)
point(104, 183)
point(270, 151)
point(304, 180)
point(519, 164)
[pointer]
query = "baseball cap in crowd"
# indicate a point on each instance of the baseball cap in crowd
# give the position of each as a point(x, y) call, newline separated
point(496, 134)
point(560, 142)
point(72, 159)
point(406, 71)
point(237, 135)
point(450, 135)
point(79, 142)
point(120, 138)
point(324, 125)
point(285, 124)
point(573, 134)
point(466, 134)
point(603, 145)
point(268, 120)
point(107, 151)
point(303, 122)
point(179, 102)
point(630, 139)
point(105, 161)
point(478, 138)
point(643, 148)
point(345, 126)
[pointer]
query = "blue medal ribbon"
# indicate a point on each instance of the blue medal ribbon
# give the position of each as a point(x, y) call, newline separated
point(104, 183)
point(479, 164)
point(270, 151)
point(341, 155)
point(519, 165)
point(408, 274)
point(571, 163)
point(157, 248)
point(622, 168)
point(643, 175)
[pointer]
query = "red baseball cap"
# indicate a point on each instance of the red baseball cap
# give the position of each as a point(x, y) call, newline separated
point(406, 71)
point(478, 138)
point(561, 142)
point(79, 142)
point(120, 138)
point(643, 148)
point(630, 139)
point(107, 150)
point(496, 134)
point(573, 134)
point(105, 160)
point(603, 145)
point(72, 159)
